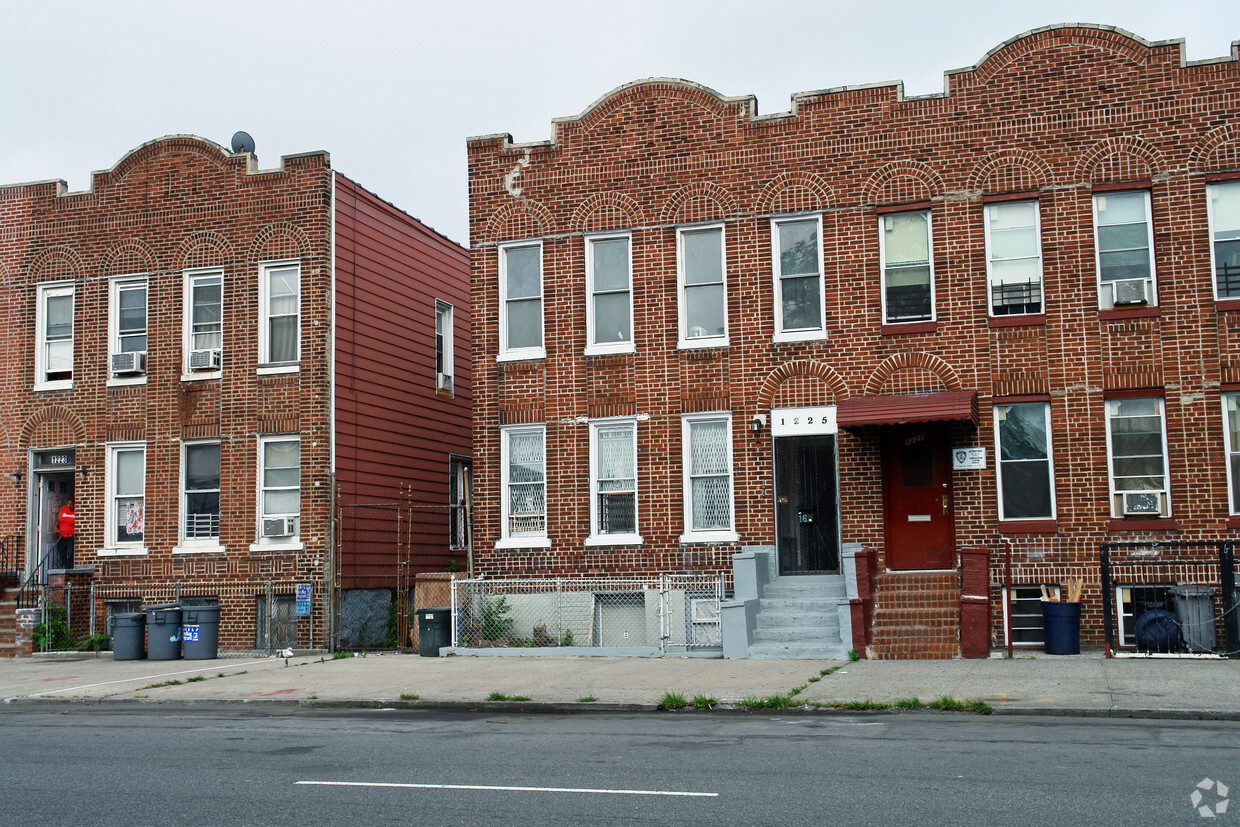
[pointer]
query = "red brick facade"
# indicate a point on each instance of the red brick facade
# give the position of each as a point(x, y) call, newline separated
point(1051, 117)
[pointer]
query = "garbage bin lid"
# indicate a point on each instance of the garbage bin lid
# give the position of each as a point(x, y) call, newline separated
point(161, 606)
point(1191, 591)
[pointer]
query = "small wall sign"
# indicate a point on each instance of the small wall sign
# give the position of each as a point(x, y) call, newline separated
point(303, 599)
point(803, 421)
point(968, 459)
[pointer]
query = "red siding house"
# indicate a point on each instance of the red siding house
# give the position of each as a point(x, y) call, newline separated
point(219, 363)
point(855, 355)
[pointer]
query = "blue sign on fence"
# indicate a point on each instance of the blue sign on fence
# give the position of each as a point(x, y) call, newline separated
point(303, 599)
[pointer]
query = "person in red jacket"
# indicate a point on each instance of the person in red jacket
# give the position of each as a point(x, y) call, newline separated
point(64, 535)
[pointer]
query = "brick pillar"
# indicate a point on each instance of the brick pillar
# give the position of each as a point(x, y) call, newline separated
point(27, 619)
point(975, 602)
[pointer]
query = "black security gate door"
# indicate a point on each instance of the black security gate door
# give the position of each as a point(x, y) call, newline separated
point(807, 534)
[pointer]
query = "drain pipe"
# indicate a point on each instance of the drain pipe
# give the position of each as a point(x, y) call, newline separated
point(1007, 593)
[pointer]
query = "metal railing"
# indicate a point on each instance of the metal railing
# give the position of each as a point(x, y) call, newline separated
point(668, 612)
point(1007, 298)
point(12, 560)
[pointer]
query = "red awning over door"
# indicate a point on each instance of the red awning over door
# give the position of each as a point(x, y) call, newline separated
point(947, 406)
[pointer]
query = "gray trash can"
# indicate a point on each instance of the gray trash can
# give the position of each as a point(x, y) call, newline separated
point(1194, 609)
point(128, 636)
point(434, 630)
point(200, 632)
point(163, 631)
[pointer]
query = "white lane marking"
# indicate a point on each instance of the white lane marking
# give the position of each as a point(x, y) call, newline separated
point(679, 793)
point(140, 678)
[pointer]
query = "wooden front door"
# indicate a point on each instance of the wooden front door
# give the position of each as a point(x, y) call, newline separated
point(918, 498)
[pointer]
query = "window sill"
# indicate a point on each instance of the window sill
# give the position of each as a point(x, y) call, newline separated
point(1233, 521)
point(609, 350)
point(522, 542)
point(1029, 526)
point(440, 392)
point(1110, 314)
point(270, 370)
point(199, 548)
point(123, 551)
point(522, 355)
point(1018, 320)
point(709, 537)
point(703, 343)
point(201, 375)
point(900, 328)
point(1222, 305)
point(799, 336)
point(290, 545)
point(1130, 524)
point(613, 540)
point(121, 383)
point(59, 385)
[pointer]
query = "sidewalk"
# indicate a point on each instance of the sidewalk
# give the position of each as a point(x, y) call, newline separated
point(1048, 685)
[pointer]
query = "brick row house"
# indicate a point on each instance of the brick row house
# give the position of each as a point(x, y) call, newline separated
point(851, 353)
point(215, 361)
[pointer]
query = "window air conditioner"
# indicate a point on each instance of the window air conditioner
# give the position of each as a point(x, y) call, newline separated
point(279, 526)
point(204, 359)
point(1130, 291)
point(1142, 502)
point(132, 362)
point(443, 381)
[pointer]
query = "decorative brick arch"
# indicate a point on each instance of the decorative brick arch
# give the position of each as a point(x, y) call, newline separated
point(912, 372)
point(1217, 150)
point(281, 240)
point(56, 264)
point(203, 249)
point(212, 154)
point(702, 201)
point(606, 211)
point(796, 192)
point(1010, 171)
point(901, 181)
point(1119, 159)
point(836, 387)
point(53, 425)
point(682, 91)
point(131, 256)
point(1113, 41)
point(525, 218)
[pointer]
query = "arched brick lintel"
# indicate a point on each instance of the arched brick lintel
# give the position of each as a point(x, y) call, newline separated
point(800, 367)
point(912, 359)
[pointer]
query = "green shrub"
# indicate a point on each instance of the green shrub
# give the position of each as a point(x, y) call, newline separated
point(493, 620)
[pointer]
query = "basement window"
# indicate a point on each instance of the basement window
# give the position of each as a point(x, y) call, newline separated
point(1024, 615)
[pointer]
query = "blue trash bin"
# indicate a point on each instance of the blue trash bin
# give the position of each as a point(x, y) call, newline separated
point(1061, 628)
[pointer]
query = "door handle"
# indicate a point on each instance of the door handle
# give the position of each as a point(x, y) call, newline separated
point(944, 505)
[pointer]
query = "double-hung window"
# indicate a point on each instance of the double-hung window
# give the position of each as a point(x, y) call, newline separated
point(443, 346)
point(125, 517)
point(797, 265)
point(53, 360)
point(907, 264)
point(523, 470)
point(1026, 474)
point(1137, 444)
point(613, 481)
point(1014, 257)
point(1231, 433)
point(127, 343)
point(1224, 215)
point(280, 302)
point(609, 309)
point(459, 481)
point(521, 301)
point(204, 330)
point(706, 441)
point(702, 285)
point(200, 493)
point(1124, 246)
point(280, 488)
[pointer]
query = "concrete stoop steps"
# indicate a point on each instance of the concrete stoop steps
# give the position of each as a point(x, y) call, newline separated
point(799, 620)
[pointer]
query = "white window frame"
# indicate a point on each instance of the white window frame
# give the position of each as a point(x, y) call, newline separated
point(684, 340)
point(198, 543)
point(116, 286)
point(44, 292)
point(1105, 291)
point(1231, 451)
point(988, 211)
point(782, 334)
point(597, 537)
point(445, 332)
point(460, 497)
point(690, 535)
point(532, 539)
point(882, 265)
point(1000, 462)
point(292, 542)
point(192, 277)
point(112, 546)
point(1028, 593)
point(539, 351)
point(1233, 187)
point(594, 347)
point(265, 363)
point(1116, 493)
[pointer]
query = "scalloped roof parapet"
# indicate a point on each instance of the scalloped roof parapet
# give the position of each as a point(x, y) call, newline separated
point(1114, 39)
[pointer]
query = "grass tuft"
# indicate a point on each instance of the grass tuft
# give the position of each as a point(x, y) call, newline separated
point(196, 679)
point(703, 702)
point(770, 702)
point(909, 703)
point(671, 701)
point(409, 696)
point(587, 699)
point(867, 705)
point(500, 696)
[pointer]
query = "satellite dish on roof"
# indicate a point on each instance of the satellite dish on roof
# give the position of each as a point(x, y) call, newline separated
point(242, 142)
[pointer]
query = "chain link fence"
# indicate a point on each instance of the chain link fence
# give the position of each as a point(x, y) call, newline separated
point(672, 612)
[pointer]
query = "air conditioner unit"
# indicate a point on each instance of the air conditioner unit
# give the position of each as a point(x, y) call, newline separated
point(1130, 291)
point(1142, 502)
point(208, 359)
point(443, 381)
point(132, 362)
point(279, 526)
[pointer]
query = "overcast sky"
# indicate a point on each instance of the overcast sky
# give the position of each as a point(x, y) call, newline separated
point(393, 89)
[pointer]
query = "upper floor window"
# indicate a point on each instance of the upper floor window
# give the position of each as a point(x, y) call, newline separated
point(706, 441)
point(1014, 257)
point(613, 481)
point(523, 475)
point(907, 267)
point(200, 493)
point(53, 359)
point(1137, 443)
point(280, 300)
point(280, 487)
point(1224, 214)
point(1026, 477)
point(702, 286)
point(127, 328)
point(443, 346)
point(521, 301)
point(797, 254)
point(204, 321)
point(125, 517)
point(1124, 246)
point(609, 309)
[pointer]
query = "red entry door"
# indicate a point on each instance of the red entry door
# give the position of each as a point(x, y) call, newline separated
point(918, 498)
